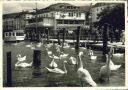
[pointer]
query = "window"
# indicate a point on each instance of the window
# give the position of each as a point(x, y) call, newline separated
point(79, 14)
point(13, 34)
point(59, 21)
point(9, 33)
point(71, 22)
point(6, 34)
point(70, 14)
point(51, 14)
point(65, 21)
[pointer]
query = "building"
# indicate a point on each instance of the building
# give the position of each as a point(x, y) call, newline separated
point(58, 16)
point(16, 21)
point(98, 8)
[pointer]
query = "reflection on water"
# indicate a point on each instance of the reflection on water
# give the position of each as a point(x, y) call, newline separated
point(40, 77)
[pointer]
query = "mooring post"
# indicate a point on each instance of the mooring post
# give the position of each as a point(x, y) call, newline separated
point(58, 36)
point(105, 39)
point(9, 70)
point(77, 39)
point(63, 37)
point(47, 35)
point(37, 58)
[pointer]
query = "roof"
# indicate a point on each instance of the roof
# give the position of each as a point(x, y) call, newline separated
point(64, 7)
point(16, 15)
point(103, 4)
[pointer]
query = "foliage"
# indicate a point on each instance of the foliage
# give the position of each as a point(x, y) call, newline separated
point(114, 16)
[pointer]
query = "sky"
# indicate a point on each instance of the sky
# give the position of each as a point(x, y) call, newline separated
point(13, 7)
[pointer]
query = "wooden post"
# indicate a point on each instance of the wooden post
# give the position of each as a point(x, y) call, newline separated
point(58, 34)
point(77, 39)
point(47, 35)
point(37, 58)
point(105, 39)
point(9, 70)
point(63, 37)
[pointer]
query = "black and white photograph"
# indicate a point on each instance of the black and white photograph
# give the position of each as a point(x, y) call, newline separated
point(63, 44)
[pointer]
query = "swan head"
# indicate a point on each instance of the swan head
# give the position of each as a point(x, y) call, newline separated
point(81, 54)
point(106, 56)
point(18, 55)
point(65, 61)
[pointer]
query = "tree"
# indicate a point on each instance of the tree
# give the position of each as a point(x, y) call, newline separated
point(114, 16)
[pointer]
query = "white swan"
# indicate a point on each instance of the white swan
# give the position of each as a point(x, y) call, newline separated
point(63, 55)
point(33, 47)
point(113, 54)
point(49, 53)
point(29, 45)
point(23, 64)
point(53, 64)
point(114, 67)
point(66, 46)
point(57, 70)
point(105, 70)
point(83, 74)
point(72, 60)
point(118, 55)
point(92, 57)
point(19, 58)
point(90, 53)
point(39, 44)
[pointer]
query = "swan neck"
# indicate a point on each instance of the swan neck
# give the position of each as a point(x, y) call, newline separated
point(17, 63)
point(108, 62)
point(65, 70)
point(80, 64)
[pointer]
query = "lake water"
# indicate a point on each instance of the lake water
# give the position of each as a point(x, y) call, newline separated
point(30, 77)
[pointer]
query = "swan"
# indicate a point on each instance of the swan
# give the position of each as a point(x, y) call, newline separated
point(111, 52)
point(63, 55)
point(90, 52)
point(93, 58)
point(57, 70)
point(114, 67)
point(33, 47)
point(19, 58)
point(84, 74)
point(23, 64)
point(53, 64)
point(29, 45)
point(39, 44)
point(105, 70)
point(49, 53)
point(72, 60)
point(66, 46)
point(118, 55)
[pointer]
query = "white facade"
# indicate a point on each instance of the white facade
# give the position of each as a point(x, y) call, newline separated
point(95, 12)
point(70, 15)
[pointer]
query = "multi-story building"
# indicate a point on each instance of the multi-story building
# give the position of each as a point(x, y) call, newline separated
point(16, 21)
point(98, 8)
point(50, 20)
point(58, 16)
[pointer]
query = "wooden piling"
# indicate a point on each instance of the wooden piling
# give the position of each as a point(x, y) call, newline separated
point(58, 36)
point(37, 58)
point(77, 39)
point(105, 39)
point(9, 70)
point(63, 37)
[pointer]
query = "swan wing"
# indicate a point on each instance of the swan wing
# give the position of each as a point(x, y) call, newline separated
point(118, 55)
point(55, 70)
point(90, 81)
point(115, 67)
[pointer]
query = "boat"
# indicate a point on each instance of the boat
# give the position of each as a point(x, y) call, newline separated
point(15, 35)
